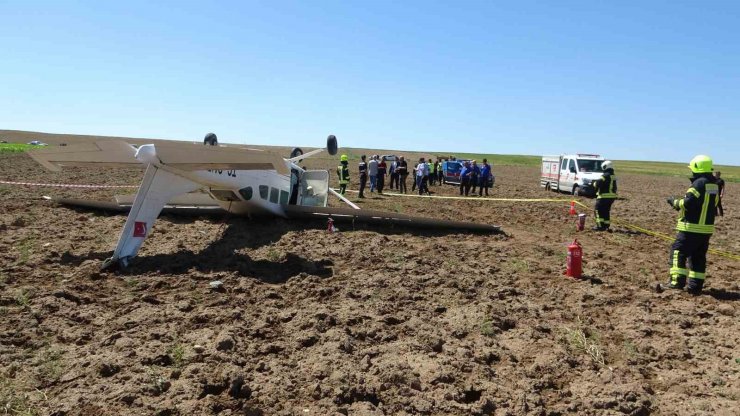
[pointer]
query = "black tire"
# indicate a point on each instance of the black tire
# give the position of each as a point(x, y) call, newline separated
point(577, 190)
point(210, 139)
point(331, 145)
point(297, 151)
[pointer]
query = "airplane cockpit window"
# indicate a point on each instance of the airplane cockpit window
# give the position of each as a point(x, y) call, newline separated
point(246, 193)
point(264, 190)
point(274, 195)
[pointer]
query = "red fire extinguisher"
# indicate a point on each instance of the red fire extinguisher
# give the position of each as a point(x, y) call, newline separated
point(575, 254)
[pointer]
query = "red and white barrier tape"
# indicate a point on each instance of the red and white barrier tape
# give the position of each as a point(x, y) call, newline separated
point(65, 185)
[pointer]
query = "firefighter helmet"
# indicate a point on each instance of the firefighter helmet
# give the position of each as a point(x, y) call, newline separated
point(701, 164)
point(344, 158)
point(607, 164)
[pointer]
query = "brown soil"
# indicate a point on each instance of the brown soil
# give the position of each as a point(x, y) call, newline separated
point(367, 321)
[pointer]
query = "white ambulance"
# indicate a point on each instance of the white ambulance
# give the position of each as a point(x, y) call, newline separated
point(571, 173)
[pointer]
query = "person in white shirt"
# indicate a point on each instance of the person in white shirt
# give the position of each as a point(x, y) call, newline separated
point(422, 172)
point(393, 174)
point(372, 170)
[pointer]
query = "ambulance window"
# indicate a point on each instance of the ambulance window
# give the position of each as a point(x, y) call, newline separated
point(274, 195)
point(264, 189)
point(246, 193)
point(572, 166)
point(284, 195)
point(564, 165)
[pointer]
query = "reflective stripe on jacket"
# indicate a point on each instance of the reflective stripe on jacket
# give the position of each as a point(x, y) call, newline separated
point(698, 208)
point(343, 173)
point(606, 185)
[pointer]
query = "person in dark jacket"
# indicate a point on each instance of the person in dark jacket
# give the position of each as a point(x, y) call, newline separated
point(403, 173)
point(606, 193)
point(414, 183)
point(363, 175)
point(465, 179)
point(474, 175)
point(382, 170)
point(695, 226)
point(485, 173)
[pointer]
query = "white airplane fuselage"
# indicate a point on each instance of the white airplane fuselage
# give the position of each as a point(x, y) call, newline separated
point(242, 191)
point(247, 192)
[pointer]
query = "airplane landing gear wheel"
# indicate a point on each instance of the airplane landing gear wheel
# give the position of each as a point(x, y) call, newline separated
point(297, 151)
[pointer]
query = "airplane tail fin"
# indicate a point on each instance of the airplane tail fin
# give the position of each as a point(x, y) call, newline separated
point(156, 189)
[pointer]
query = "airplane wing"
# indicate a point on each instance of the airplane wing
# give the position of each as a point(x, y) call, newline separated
point(109, 153)
point(183, 156)
point(385, 218)
point(115, 206)
point(189, 157)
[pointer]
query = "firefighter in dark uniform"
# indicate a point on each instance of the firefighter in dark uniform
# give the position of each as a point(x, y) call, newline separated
point(606, 193)
point(695, 226)
point(363, 176)
point(343, 174)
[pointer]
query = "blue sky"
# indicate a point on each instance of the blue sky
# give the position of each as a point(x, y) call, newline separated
point(631, 80)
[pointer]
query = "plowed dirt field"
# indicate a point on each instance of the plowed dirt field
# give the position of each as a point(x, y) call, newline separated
point(366, 321)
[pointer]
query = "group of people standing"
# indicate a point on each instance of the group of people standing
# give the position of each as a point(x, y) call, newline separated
point(375, 169)
point(472, 176)
point(424, 173)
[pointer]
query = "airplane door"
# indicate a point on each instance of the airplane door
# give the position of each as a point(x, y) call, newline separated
point(294, 185)
point(314, 188)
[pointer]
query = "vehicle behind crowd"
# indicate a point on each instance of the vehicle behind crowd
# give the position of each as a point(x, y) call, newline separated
point(574, 173)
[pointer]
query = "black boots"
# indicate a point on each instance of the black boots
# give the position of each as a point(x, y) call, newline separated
point(679, 282)
point(695, 286)
point(676, 282)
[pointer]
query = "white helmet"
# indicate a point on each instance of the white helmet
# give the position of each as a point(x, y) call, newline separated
point(607, 164)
